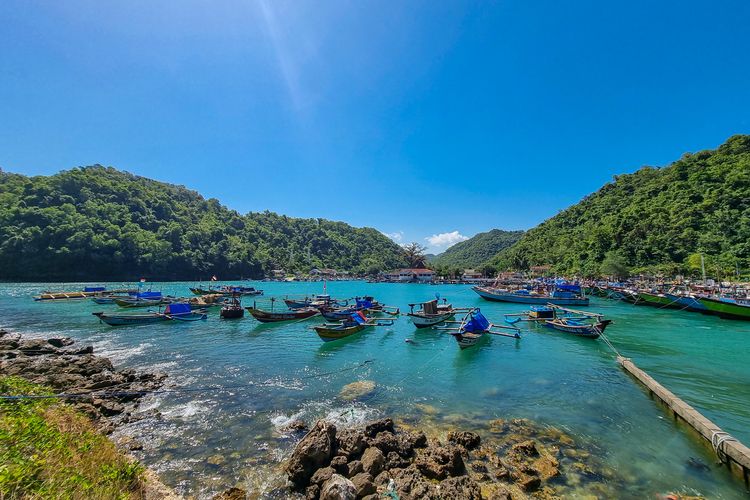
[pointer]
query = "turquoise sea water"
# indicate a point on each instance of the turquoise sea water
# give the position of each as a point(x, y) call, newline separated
point(269, 374)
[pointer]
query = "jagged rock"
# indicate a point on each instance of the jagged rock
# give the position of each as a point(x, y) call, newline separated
point(372, 429)
point(109, 408)
point(546, 467)
point(354, 468)
point(396, 461)
point(410, 484)
point(468, 440)
point(373, 461)
point(339, 464)
point(529, 483)
point(231, 494)
point(351, 443)
point(338, 488)
point(363, 484)
point(462, 487)
point(295, 426)
point(322, 475)
point(500, 493)
point(60, 342)
point(526, 448)
point(216, 460)
point(315, 450)
point(440, 462)
point(312, 492)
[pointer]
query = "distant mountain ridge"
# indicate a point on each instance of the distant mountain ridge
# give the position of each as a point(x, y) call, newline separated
point(99, 223)
point(476, 251)
point(654, 220)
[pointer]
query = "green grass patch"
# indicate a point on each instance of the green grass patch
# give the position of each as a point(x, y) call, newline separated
point(50, 450)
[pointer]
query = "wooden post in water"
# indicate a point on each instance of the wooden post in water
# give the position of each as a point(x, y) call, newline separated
point(729, 450)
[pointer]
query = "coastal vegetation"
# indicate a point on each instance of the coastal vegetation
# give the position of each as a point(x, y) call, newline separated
point(50, 450)
point(656, 220)
point(476, 251)
point(98, 223)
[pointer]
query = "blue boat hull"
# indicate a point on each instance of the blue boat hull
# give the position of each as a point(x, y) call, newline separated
point(529, 299)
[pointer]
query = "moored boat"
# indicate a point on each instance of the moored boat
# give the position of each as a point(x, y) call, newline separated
point(726, 307)
point(579, 327)
point(474, 327)
point(356, 323)
point(431, 313)
point(276, 316)
point(563, 296)
point(232, 308)
point(178, 312)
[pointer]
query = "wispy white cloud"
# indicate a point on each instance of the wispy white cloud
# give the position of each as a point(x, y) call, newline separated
point(283, 55)
point(445, 240)
point(397, 236)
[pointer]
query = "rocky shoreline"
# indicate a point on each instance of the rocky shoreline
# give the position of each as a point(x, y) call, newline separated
point(66, 368)
point(383, 460)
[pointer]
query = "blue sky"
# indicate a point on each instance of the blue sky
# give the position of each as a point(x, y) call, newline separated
point(416, 118)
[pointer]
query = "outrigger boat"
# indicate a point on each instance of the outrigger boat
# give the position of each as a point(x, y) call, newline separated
point(432, 313)
point(176, 312)
point(364, 304)
point(579, 323)
point(355, 324)
point(473, 327)
point(322, 300)
point(274, 317)
point(144, 299)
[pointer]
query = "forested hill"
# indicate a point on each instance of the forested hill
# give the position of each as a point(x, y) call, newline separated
point(97, 223)
point(655, 220)
point(476, 251)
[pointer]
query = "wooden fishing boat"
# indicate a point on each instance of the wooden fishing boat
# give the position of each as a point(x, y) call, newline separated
point(322, 300)
point(276, 316)
point(542, 314)
point(226, 290)
point(558, 295)
point(86, 293)
point(687, 302)
point(232, 308)
point(474, 327)
point(356, 323)
point(726, 307)
point(177, 312)
point(579, 327)
point(431, 313)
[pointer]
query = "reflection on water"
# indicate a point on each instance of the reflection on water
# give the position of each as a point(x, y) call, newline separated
point(264, 376)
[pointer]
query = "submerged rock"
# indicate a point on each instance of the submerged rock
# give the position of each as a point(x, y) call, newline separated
point(357, 389)
point(231, 494)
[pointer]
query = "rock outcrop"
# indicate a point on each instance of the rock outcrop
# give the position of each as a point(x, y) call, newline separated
point(105, 394)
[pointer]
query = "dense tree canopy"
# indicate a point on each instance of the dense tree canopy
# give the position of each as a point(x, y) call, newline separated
point(100, 223)
point(475, 252)
point(653, 220)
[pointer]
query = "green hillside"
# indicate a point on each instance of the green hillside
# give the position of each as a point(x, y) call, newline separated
point(652, 220)
point(477, 251)
point(99, 223)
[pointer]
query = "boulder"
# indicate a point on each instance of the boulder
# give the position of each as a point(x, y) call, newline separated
point(295, 426)
point(410, 484)
point(468, 440)
point(396, 461)
point(373, 461)
point(354, 468)
point(60, 342)
point(372, 429)
point(338, 488)
point(525, 448)
point(351, 443)
point(529, 483)
point(322, 475)
point(363, 482)
point(339, 464)
point(314, 451)
point(462, 487)
point(312, 492)
point(439, 462)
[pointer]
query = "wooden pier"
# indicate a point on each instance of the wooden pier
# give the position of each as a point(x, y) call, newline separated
point(729, 450)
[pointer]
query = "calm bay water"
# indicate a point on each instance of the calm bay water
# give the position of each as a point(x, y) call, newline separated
point(270, 374)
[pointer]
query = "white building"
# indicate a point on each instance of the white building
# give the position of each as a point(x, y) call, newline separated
point(408, 275)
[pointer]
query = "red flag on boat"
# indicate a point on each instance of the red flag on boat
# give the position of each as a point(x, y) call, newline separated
point(143, 280)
